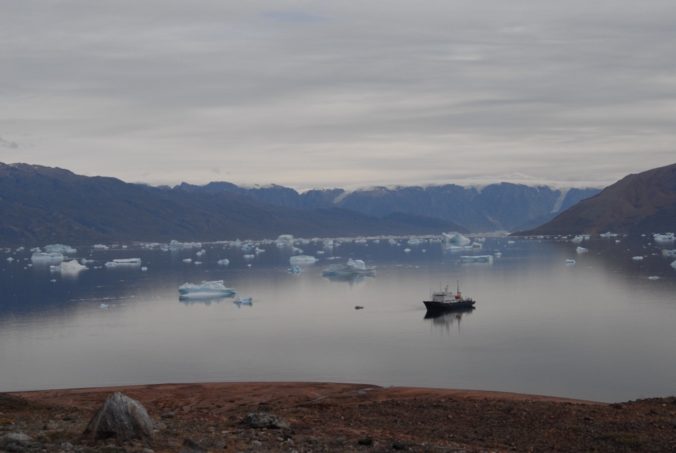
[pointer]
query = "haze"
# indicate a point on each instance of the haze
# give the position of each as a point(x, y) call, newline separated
point(342, 93)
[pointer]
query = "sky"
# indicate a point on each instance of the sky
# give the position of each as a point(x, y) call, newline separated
point(340, 93)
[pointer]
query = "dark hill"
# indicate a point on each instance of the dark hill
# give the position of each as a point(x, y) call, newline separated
point(638, 203)
point(40, 205)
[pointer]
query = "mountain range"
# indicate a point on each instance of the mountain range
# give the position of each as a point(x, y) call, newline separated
point(42, 204)
point(638, 203)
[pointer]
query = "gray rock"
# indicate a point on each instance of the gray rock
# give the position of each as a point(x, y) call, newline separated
point(121, 418)
point(15, 442)
point(264, 420)
point(190, 446)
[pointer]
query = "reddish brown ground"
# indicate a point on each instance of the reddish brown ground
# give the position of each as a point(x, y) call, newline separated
point(337, 417)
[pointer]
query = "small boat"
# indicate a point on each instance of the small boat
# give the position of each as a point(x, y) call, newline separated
point(444, 301)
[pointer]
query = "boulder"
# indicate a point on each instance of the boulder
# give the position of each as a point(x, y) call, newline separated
point(121, 418)
point(264, 420)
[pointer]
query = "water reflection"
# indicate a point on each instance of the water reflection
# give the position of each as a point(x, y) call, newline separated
point(448, 319)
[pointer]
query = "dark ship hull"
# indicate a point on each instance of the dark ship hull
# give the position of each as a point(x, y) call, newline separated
point(443, 307)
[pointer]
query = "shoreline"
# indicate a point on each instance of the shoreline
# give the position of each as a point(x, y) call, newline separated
point(344, 417)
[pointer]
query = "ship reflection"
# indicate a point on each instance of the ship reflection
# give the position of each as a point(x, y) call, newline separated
point(445, 320)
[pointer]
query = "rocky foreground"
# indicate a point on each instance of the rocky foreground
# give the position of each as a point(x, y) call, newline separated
point(287, 417)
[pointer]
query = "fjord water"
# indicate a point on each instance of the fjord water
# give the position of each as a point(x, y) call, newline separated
point(598, 330)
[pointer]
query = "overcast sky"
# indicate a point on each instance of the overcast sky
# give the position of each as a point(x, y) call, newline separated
point(340, 93)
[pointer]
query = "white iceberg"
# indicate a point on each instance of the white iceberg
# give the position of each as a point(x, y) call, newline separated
point(284, 240)
point(654, 277)
point(353, 268)
point(665, 238)
point(407, 250)
point(205, 290)
point(69, 268)
point(201, 252)
point(414, 241)
point(302, 260)
point(637, 258)
point(570, 262)
point(100, 247)
point(669, 253)
point(673, 264)
point(249, 257)
point(59, 248)
point(456, 239)
point(581, 250)
point(46, 258)
point(175, 245)
point(223, 262)
point(124, 263)
point(608, 235)
point(187, 260)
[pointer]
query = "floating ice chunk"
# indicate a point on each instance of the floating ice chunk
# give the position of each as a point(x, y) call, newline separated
point(205, 290)
point(608, 235)
point(144, 268)
point(259, 250)
point(295, 270)
point(46, 258)
point(665, 238)
point(10, 259)
point(352, 268)
point(511, 242)
point(669, 253)
point(320, 252)
point(284, 240)
point(100, 247)
point(104, 306)
point(124, 263)
point(637, 258)
point(414, 241)
point(197, 263)
point(456, 239)
point(570, 262)
point(69, 268)
point(477, 259)
point(577, 240)
point(407, 250)
point(477, 246)
point(175, 245)
point(223, 262)
point(673, 264)
point(201, 252)
point(497, 254)
point(249, 257)
point(392, 241)
point(297, 251)
point(187, 260)
point(302, 260)
point(581, 250)
point(60, 248)
point(243, 301)
point(654, 277)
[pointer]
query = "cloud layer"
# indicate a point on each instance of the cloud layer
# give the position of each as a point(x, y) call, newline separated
point(341, 93)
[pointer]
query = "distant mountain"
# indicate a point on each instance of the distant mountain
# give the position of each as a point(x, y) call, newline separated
point(39, 205)
point(638, 203)
point(502, 206)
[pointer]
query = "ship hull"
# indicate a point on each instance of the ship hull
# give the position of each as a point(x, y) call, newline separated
point(438, 307)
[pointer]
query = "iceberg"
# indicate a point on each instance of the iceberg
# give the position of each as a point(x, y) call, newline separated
point(570, 262)
point(284, 240)
point(69, 268)
point(187, 260)
point(351, 269)
point(407, 250)
point(175, 245)
point(60, 248)
point(206, 290)
point(248, 257)
point(654, 277)
point(669, 253)
point(581, 250)
point(223, 262)
point(46, 258)
point(608, 235)
point(637, 258)
point(665, 238)
point(673, 264)
point(302, 260)
point(477, 259)
point(124, 263)
point(295, 270)
point(201, 252)
point(100, 247)
point(456, 239)
point(414, 241)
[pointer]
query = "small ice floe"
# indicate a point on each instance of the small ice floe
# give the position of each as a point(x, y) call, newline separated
point(100, 247)
point(197, 263)
point(608, 235)
point(511, 242)
point(258, 250)
point(673, 264)
point(570, 262)
point(177, 246)
point(123, 263)
point(10, 259)
point(577, 239)
point(669, 253)
point(69, 268)
point(187, 260)
point(223, 262)
point(414, 242)
point(392, 241)
point(243, 301)
point(249, 257)
point(284, 240)
point(665, 238)
point(477, 259)
point(302, 260)
point(654, 277)
point(581, 250)
point(144, 268)
point(407, 250)
point(295, 270)
point(201, 252)
point(497, 254)
point(45, 258)
point(59, 248)
point(456, 239)
point(104, 306)
point(637, 258)
point(205, 290)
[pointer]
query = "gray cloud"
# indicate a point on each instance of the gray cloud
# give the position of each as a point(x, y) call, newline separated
point(342, 93)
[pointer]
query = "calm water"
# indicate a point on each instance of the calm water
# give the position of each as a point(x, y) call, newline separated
point(598, 330)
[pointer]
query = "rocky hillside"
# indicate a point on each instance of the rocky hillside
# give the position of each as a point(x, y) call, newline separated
point(638, 203)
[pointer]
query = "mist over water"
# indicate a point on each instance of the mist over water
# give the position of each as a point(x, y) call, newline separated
point(598, 330)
